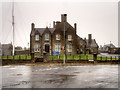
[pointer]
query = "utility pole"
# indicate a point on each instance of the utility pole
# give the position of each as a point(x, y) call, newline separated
point(13, 25)
point(64, 42)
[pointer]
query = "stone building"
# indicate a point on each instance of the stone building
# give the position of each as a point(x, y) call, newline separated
point(7, 49)
point(91, 45)
point(51, 40)
point(110, 48)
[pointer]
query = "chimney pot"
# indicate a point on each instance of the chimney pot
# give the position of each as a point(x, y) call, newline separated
point(32, 26)
point(75, 27)
point(89, 38)
point(53, 24)
point(64, 18)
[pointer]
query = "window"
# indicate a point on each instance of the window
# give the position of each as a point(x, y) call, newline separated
point(69, 47)
point(37, 48)
point(57, 36)
point(36, 37)
point(57, 47)
point(69, 37)
point(46, 36)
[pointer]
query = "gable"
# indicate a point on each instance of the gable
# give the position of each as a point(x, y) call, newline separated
point(60, 27)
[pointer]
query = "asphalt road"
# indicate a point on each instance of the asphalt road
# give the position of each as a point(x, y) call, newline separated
point(91, 76)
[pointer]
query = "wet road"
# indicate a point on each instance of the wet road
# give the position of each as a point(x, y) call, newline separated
point(99, 76)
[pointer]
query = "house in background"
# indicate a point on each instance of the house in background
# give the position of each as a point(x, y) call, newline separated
point(7, 49)
point(110, 48)
point(51, 40)
point(91, 45)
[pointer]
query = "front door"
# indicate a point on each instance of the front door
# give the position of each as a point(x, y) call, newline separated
point(47, 48)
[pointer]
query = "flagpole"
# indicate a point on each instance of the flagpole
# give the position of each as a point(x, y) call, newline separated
point(13, 25)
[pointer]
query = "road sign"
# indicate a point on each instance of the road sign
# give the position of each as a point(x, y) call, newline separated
point(55, 53)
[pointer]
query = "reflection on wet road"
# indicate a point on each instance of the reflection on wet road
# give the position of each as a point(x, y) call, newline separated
point(99, 76)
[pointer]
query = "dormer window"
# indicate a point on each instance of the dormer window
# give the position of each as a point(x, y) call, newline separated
point(69, 37)
point(46, 36)
point(37, 37)
point(57, 36)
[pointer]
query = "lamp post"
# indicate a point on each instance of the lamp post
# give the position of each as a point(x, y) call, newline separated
point(64, 42)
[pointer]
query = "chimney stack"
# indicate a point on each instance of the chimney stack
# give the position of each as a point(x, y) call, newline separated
point(89, 38)
point(53, 24)
point(64, 18)
point(75, 27)
point(32, 26)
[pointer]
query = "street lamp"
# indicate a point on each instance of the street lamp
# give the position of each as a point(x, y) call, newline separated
point(64, 41)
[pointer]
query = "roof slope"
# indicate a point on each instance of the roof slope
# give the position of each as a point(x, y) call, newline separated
point(92, 44)
point(41, 30)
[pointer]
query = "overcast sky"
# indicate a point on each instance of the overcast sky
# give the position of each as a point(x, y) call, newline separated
point(92, 17)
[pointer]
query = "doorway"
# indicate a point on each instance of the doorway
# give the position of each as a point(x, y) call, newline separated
point(47, 48)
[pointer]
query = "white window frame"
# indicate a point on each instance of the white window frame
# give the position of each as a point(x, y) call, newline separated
point(37, 37)
point(57, 36)
point(69, 47)
point(69, 37)
point(57, 47)
point(46, 36)
point(37, 47)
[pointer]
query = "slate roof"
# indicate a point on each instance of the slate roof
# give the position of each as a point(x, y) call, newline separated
point(41, 30)
point(92, 44)
point(79, 39)
point(109, 45)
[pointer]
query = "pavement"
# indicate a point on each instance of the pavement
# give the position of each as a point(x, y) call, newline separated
point(84, 76)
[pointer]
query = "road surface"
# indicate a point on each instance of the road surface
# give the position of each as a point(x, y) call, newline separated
point(89, 76)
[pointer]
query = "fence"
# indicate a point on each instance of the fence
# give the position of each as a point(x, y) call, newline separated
point(17, 57)
point(82, 57)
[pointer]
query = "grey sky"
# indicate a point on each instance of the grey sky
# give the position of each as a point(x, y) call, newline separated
point(98, 18)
